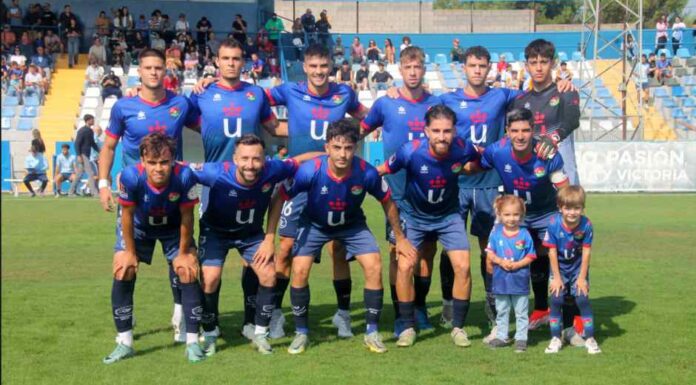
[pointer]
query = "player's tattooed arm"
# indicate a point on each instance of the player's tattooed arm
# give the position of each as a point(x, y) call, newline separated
point(106, 160)
point(404, 248)
point(127, 259)
point(582, 286)
point(556, 285)
point(186, 264)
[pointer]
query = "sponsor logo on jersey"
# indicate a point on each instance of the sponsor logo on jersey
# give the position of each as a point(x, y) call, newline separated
point(324, 190)
point(250, 96)
point(232, 193)
point(527, 105)
point(266, 187)
point(402, 110)
point(519, 244)
point(174, 112)
point(196, 166)
point(141, 115)
point(456, 168)
point(539, 171)
point(356, 190)
point(306, 98)
point(217, 97)
point(507, 169)
point(424, 169)
point(463, 105)
point(174, 196)
point(554, 101)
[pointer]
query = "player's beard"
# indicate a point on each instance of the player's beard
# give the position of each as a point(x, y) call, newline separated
point(244, 173)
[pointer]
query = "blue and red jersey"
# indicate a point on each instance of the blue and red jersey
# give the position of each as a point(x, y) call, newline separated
point(568, 242)
point(512, 247)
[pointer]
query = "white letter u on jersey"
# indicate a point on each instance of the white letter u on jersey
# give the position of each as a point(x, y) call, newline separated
point(238, 130)
point(249, 220)
point(313, 130)
point(330, 219)
point(484, 131)
point(431, 193)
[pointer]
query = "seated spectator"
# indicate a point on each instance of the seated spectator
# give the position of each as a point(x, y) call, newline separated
point(514, 81)
point(405, 42)
point(457, 52)
point(373, 52)
point(362, 77)
point(191, 60)
point(202, 28)
point(97, 51)
point(250, 48)
point(381, 79)
point(103, 24)
point(209, 68)
point(139, 44)
point(357, 51)
point(246, 77)
point(143, 26)
point(502, 64)
point(664, 68)
point(174, 50)
point(157, 42)
point(257, 67)
point(36, 166)
point(564, 73)
point(26, 45)
point(34, 83)
point(213, 43)
point(94, 74)
point(182, 25)
point(266, 47)
point(118, 57)
point(652, 65)
point(273, 65)
point(18, 58)
point(53, 45)
point(8, 37)
point(282, 152)
point(345, 75)
point(43, 61)
point(339, 52)
point(111, 86)
point(171, 81)
point(15, 85)
point(64, 169)
point(505, 77)
point(389, 51)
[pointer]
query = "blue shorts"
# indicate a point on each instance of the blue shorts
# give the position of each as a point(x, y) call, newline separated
point(569, 279)
point(214, 246)
point(451, 232)
point(357, 239)
point(290, 215)
point(537, 227)
point(478, 202)
point(389, 232)
point(145, 244)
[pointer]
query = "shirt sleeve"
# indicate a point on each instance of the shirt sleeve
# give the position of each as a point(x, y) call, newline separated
point(488, 156)
point(192, 114)
point(587, 241)
point(376, 185)
point(283, 169)
point(468, 153)
point(570, 114)
point(492, 239)
point(128, 187)
point(550, 240)
point(399, 159)
point(374, 118)
point(206, 173)
point(278, 95)
point(117, 124)
point(529, 246)
point(189, 193)
point(265, 112)
point(353, 102)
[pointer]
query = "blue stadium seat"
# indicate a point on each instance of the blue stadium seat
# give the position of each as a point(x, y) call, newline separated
point(562, 56)
point(6, 123)
point(25, 124)
point(10, 101)
point(667, 52)
point(29, 112)
point(451, 83)
point(494, 57)
point(603, 93)
point(693, 91)
point(132, 81)
point(32, 101)
point(509, 56)
point(429, 67)
point(678, 113)
point(398, 83)
point(437, 92)
point(427, 58)
point(441, 59)
point(8, 112)
point(693, 113)
point(678, 92)
point(610, 102)
point(661, 92)
point(668, 103)
point(689, 81)
point(683, 53)
point(689, 103)
point(449, 75)
point(520, 57)
point(577, 56)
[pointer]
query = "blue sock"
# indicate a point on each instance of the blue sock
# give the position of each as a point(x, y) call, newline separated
point(299, 297)
point(122, 304)
point(460, 308)
point(343, 288)
point(191, 303)
point(407, 314)
point(373, 308)
point(209, 319)
point(174, 281)
point(264, 305)
point(586, 314)
point(555, 318)
point(395, 300)
point(250, 287)
point(279, 290)
point(421, 285)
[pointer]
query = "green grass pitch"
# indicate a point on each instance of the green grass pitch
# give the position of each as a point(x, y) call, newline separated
point(56, 322)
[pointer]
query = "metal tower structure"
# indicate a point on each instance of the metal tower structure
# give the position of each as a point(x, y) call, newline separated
point(599, 56)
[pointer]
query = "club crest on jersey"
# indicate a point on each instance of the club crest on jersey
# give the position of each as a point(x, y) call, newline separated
point(554, 101)
point(519, 244)
point(141, 115)
point(579, 235)
point(232, 193)
point(457, 168)
point(174, 196)
point(336, 99)
point(266, 187)
point(402, 110)
point(174, 112)
point(217, 97)
point(250, 96)
point(306, 98)
point(356, 190)
point(539, 171)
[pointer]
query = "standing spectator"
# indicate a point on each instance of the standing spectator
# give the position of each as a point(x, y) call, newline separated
point(65, 18)
point(505, 77)
point(182, 25)
point(309, 24)
point(373, 52)
point(362, 77)
point(456, 53)
point(33, 17)
point(64, 169)
point(126, 20)
point(48, 17)
point(274, 26)
point(94, 154)
point(661, 34)
point(677, 33)
point(239, 29)
point(357, 51)
point(405, 42)
point(502, 63)
point(251, 48)
point(84, 143)
point(111, 86)
point(14, 14)
point(257, 67)
point(643, 78)
point(630, 47)
point(381, 78)
point(4, 14)
point(323, 27)
point(94, 73)
point(34, 83)
point(103, 24)
point(43, 61)
point(54, 46)
point(73, 33)
point(298, 38)
point(389, 51)
point(202, 28)
point(664, 69)
point(36, 166)
point(97, 51)
point(345, 75)
point(8, 38)
point(213, 43)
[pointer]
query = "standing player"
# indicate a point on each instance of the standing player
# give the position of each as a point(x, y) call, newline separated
point(157, 198)
point(312, 106)
point(432, 167)
point(402, 120)
point(153, 110)
point(336, 185)
point(556, 116)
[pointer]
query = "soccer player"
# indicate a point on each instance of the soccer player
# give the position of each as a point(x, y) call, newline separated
point(569, 240)
point(157, 197)
point(336, 185)
point(153, 110)
point(403, 119)
point(430, 207)
point(556, 116)
point(312, 106)
point(239, 195)
point(527, 175)
point(65, 169)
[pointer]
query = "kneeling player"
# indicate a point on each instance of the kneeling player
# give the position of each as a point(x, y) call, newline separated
point(569, 240)
point(432, 168)
point(157, 196)
point(336, 185)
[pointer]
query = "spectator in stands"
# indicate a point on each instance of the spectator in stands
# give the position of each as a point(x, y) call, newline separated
point(18, 57)
point(103, 24)
point(155, 21)
point(156, 42)
point(502, 64)
point(564, 73)
point(274, 26)
point(202, 28)
point(8, 38)
point(505, 77)
point(84, 144)
point(664, 68)
point(266, 49)
point(167, 28)
point(246, 77)
point(171, 81)
point(405, 42)
point(54, 46)
point(174, 50)
point(94, 154)
point(111, 86)
point(94, 73)
point(643, 78)
point(693, 33)
point(5, 74)
point(139, 44)
point(15, 84)
point(143, 26)
point(43, 61)
point(345, 75)
point(357, 51)
point(389, 51)
point(14, 13)
point(213, 43)
point(125, 20)
point(661, 33)
point(309, 24)
point(207, 55)
point(251, 48)
point(37, 141)
point(34, 83)
point(362, 77)
point(33, 17)
point(678, 28)
point(48, 17)
point(118, 57)
point(339, 52)
point(257, 67)
point(239, 29)
point(323, 28)
point(381, 79)
point(456, 53)
point(26, 45)
point(373, 52)
point(65, 17)
point(273, 65)
point(73, 33)
point(64, 169)
point(281, 153)
point(36, 166)
point(97, 51)
point(191, 61)
point(630, 47)
point(182, 25)
point(209, 68)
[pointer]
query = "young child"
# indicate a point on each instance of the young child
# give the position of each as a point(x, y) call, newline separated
point(510, 251)
point(569, 240)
